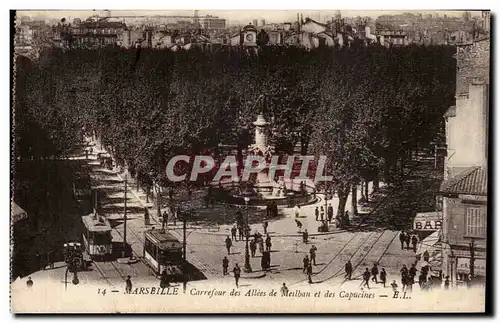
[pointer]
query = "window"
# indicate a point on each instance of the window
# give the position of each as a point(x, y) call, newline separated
point(475, 222)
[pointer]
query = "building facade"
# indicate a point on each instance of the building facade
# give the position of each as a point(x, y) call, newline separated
point(465, 188)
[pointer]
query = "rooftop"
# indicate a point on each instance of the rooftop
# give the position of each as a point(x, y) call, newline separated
point(472, 181)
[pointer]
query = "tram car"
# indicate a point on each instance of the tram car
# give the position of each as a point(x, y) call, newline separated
point(75, 256)
point(163, 252)
point(97, 238)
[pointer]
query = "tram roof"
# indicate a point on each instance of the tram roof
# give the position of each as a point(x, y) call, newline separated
point(160, 237)
point(94, 225)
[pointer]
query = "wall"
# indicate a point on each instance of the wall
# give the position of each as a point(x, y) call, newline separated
point(454, 221)
point(473, 61)
point(467, 131)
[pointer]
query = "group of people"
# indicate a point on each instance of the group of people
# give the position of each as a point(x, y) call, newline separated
point(308, 262)
point(407, 238)
point(272, 209)
point(373, 273)
point(236, 270)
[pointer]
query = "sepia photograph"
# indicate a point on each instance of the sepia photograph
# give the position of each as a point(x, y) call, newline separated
point(249, 161)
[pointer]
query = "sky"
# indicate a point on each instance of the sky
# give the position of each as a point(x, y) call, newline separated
point(233, 16)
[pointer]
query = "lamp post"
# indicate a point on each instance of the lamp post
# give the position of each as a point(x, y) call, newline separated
point(247, 268)
point(124, 251)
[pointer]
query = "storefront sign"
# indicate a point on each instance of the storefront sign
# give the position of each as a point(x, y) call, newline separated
point(463, 266)
point(427, 222)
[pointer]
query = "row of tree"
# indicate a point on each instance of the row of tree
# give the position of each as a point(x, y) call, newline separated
point(366, 108)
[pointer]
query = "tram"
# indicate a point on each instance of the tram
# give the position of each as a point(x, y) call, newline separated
point(162, 251)
point(97, 238)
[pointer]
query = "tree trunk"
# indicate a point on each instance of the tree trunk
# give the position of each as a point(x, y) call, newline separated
point(342, 201)
point(366, 191)
point(354, 199)
point(376, 182)
point(362, 188)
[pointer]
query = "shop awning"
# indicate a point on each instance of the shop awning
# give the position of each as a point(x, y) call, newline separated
point(17, 213)
point(431, 245)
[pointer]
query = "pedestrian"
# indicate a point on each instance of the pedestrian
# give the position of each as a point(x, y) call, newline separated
point(366, 278)
point(268, 210)
point(261, 246)
point(146, 216)
point(264, 226)
point(164, 220)
point(225, 265)
point(329, 212)
point(322, 213)
point(233, 233)
point(404, 276)
point(414, 241)
point(374, 273)
point(383, 276)
point(164, 279)
point(447, 283)
point(394, 286)
point(253, 247)
point(268, 243)
point(297, 211)
point(316, 213)
point(240, 232)
point(29, 282)
point(422, 279)
point(284, 290)
point(305, 261)
point(402, 239)
point(228, 245)
point(299, 225)
point(309, 273)
point(407, 240)
point(305, 236)
point(412, 273)
point(312, 253)
point(237, 273)
point(426, 255)
point(128, 285)
point(348, 269)
point(347, 221)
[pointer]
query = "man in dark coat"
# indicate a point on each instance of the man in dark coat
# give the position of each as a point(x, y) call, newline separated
point(330, 212)
point(402, 239)
point(374, 273)
point(309, 273)
point(268, 243)
point(225, 265)
point(414, 241)
point(316, 213)
point(305, 262)
point(348, 270)
point(366, 278)
point(253, 247)
point(128, 285)
point(407, 240)
point(233, 234)
point(312, 253)
point(383, 276)
point(237, 273)
point(305, 236)
point(228, 245)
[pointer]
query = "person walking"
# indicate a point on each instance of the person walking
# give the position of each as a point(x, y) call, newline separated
point(383, 276)
point(309, 273)
point(253, 247)
point(164, 222)
point(299, 225)
point(414, 241)
point(316, 213)
point(237, 273)
point(305, 236)
point(374, 273)
point(412, 273)
point(312, 253)
point(407, 240)
point(394, 286)
point(240, 232)
point(366, 278)
point(225, 266)
point(164, 279)
point(284, 290)
point(264, 226)
point(297, 210)
point(404, 276)
point(229, 243)
point(305, 262)
point(402, 239)
point(268, 243)
point(329, 212)
point(422, 279)
point(233, 233)
point(348, 270)
point(128, 285)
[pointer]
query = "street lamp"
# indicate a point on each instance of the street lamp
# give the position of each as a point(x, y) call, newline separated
point(247, 268)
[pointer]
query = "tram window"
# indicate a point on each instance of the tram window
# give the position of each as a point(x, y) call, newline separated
point(102, 238)
point(149, 248)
